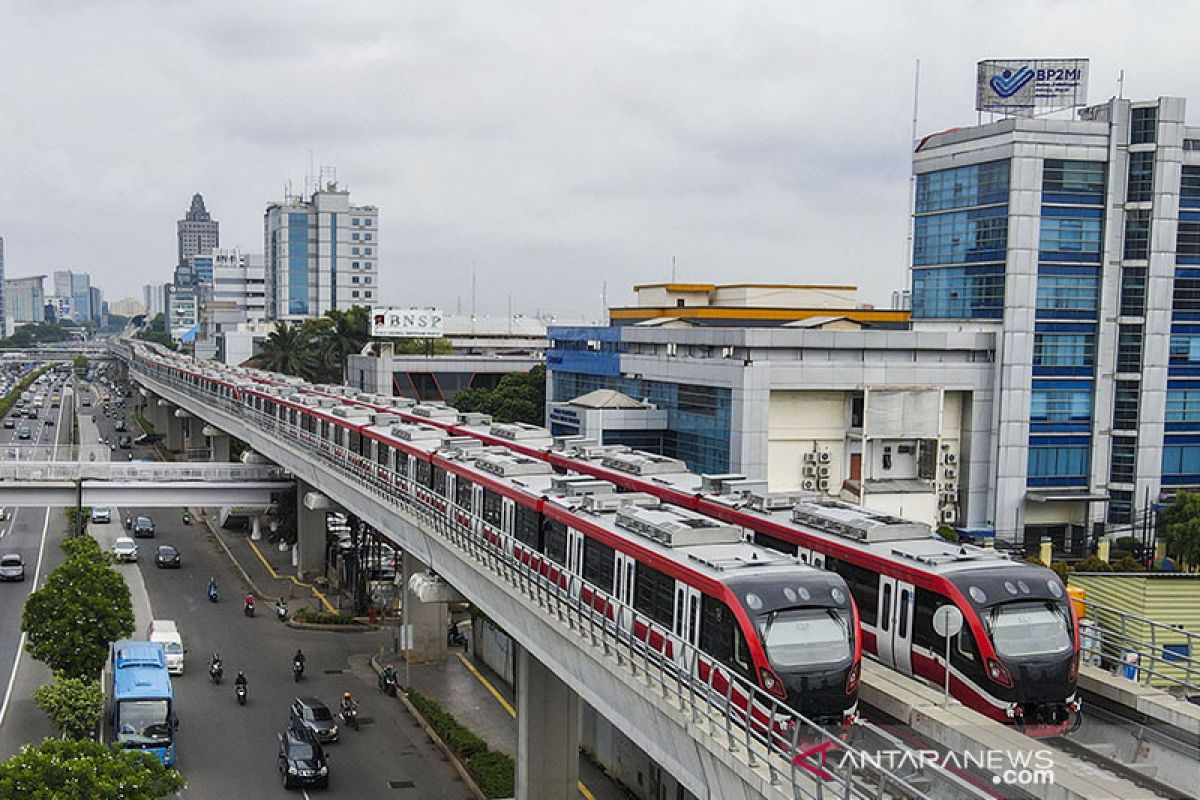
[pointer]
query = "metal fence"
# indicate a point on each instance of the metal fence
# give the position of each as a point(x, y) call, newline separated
point(136, 471)
point(752, 725)
point(1141, 649)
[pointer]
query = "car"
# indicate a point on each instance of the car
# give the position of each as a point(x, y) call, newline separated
point(147, 439)
point(86, 402)
point(314, 716)
point(101, 515)
point(143, 528)
point(10, 423)
point(24, 433)
point(12, 567)
point(49, 421)
point(301, 759)
point(125, 549)
point(119, 426)
point(125, 442)
point(166, 556)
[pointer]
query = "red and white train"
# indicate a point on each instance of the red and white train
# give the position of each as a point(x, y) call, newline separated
point(690, 586)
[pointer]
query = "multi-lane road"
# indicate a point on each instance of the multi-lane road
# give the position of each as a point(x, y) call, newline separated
point(225, 750)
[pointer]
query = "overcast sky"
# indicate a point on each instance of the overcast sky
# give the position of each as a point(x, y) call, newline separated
point(555, 145)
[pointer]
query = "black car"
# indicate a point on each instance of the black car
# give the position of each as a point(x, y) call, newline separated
point(314, 716)
point(301, 759)
point(166, 556)
point(143, 528)
point(124, 442)
point(147, 438)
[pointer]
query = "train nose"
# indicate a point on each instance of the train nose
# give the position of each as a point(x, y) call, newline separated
point(1045, 681)
point(820, 695)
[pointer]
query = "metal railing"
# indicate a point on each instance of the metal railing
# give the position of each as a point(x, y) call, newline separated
point(1165, 654)
point(137, 471)
point(753, 725)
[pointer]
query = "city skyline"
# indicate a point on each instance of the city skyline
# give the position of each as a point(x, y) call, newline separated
point(762, 144)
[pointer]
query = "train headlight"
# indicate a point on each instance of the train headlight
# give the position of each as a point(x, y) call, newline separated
point(853, 677)
point(999, 673)
point(771, 682)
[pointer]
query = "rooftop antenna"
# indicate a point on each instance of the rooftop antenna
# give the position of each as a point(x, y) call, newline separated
point(603, 299)
point(1121, 85)
point(510, 315)
point(912, 177)
point(472, 297)
point(672, 269)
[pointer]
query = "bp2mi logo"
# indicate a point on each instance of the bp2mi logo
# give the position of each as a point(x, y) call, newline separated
point(1008, 82)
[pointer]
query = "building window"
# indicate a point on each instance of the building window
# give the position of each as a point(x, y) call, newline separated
point(354, 279)
point(1074, 182)
point(961, 237)
point(367, 237)
point(1141, 177)
point(1185, 348)
point(1187, 293)
point(354, 265)
point(1067, 292)
point(354, 236)
point(1120, 506)
point(1125, 406)
point(1064, 350)
point(367, 251)
point(1133, 291)
point(1129, 348)
point(368, 222)
point(1142, 125)
point(1183, 405)
point(367, 295)
point(1067, 235)
point(1124, 459)
point(959, 292)
point(354, 294)
point(1137, 235)
point(1059, 461)
point(1189, 187)
point(354, 220)
point(367, 279)
point(1061, 405)
point(353, 251)
point(1181, 461)
point(1187, 239)
point(963, 187)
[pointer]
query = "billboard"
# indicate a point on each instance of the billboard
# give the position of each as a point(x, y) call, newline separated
point(406, 323)
point(1025, 87)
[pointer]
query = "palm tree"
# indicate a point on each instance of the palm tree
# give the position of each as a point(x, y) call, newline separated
point(344, 334)
point(288, 350)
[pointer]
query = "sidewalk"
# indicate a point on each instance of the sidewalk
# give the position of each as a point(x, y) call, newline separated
point(482, 702)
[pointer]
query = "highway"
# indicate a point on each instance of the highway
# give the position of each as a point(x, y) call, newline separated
point(225, 750)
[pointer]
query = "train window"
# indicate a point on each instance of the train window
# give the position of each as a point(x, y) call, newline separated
point(1029, 629)
point(556, 546)
point(598, 564)
point(462, 494)
point(492, 503)
point(864, 585)
point(766, 540)
point(325, 430)
point(716, 629)
point(964, 644)
point(904, 600)
point(923, 634)
point(438, 481)
point(886, 622)
point(741, 654)
point(526, 526)
point(799, 637)
point(401, 463)
point(382, 454)
point(653, 593)
point(421, 472)
point(355, 442)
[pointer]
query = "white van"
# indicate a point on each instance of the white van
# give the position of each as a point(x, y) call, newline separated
point(165, 632)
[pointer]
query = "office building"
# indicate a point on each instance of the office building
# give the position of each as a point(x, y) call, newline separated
point(232, 295)
point(97, 308)
point(197, 232)
point(24, 301)
point(182, 312)
point(153, 298)
point(321, 253)
point(77, 286)
point(127, 307)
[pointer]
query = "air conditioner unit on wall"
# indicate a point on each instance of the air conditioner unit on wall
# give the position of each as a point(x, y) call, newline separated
point(823, 472)
point(826, 457)
point(810, 470)
point(810, 456)
point(950, 458)
point(947, 515)
point(809, 485)
point(951, 472)
point(823, 485)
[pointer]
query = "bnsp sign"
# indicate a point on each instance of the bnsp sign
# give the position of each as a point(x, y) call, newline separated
point(1029, 87)
point(406, 323)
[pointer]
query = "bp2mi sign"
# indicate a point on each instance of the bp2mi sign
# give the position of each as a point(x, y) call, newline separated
point(406, 323)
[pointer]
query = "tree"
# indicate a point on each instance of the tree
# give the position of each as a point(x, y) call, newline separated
point(519, 397)
point(287, 350)
point(1181, 525)
point(74, 705)
point(71, 621)
point(84, 770)
point(84, 547)
point(346, 334)
point(156, 331)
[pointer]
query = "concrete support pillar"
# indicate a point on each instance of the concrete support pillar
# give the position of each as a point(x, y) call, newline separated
point(311, 506)
point(255, 527)
point(429, 620)
point(219, 447)
point(547, 732)
point(162, 413)
point(174, 432)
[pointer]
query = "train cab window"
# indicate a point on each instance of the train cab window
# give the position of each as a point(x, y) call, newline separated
point(493, 502)
point(1029, 629)
point(716, 629)
point(526, 525)
point(598, 564)
point(653, 594)
point(766, 540)
point(741, 654)
point(923, 634)
point(462, 494)
point(886, 622)
point(556, 545)
point(964, 644)
point(802, 637)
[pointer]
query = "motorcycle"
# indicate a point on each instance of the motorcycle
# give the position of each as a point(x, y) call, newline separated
point(297, 670)
point(455, 637)
point(187, 516)
point(387, 683)
point(216, 672)
point(129, 523)
point(241, 694)
point(212, 592)
point(350, 717)
point(281, 611)
point(248, 607)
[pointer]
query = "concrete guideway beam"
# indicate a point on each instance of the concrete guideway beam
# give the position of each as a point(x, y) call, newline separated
point(652, 715)
point(547, 732)
point(167, 494)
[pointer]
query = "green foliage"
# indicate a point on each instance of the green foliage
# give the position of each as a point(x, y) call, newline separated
point(1129, 564)
point(519, 397)
point(38, 333)
point(146, 425)
point(494, 772)
point(77, 522)
point(1181, 526)
point(1062, 569)
point(85, 547)
point(80, 363)
point(71, 621)
point(322, 618)
point(70, 769)
point(948, 533)
point(420, 347)
point(73, 705)
point(156, 331)
point(316, 349)
point(1093, 563)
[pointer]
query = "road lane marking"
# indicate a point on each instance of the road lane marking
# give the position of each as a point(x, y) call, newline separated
point(37, 573)
point(324, 600)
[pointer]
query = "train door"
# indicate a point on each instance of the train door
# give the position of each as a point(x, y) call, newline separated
point(451, 485)
point(623, 588)
point(575, 559)
point(895, 619)
point(687, 620)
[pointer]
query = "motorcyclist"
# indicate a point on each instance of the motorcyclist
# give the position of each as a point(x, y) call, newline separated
point(241, 679)
point(249, 602)
point(212, 585)
point(299, 658)
point(348, 703)
point(214, 666)
point(389, 673)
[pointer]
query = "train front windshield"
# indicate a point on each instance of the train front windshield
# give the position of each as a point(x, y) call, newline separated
point(805, 637)
point(143, 723)
point(1029, 629)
